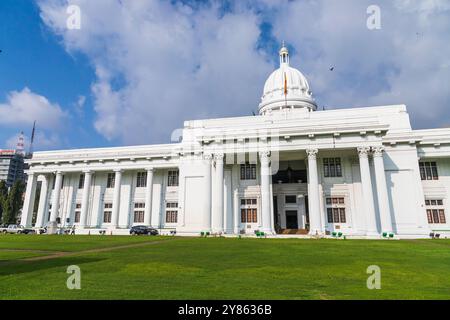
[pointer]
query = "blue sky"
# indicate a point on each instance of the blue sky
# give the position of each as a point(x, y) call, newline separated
point(33, 57)
point(137, 69)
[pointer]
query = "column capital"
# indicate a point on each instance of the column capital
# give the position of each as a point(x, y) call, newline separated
point(207, 156)
point(87, 171)
point(150, 169)
point(363, 152)
point(312, 153)
point(117, 170)
point(378, 151)
point(59, 173)
point(219, 156)
point(264, 155)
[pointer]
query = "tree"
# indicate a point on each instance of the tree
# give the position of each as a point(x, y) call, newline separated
point(13, 203)
point(3, 196)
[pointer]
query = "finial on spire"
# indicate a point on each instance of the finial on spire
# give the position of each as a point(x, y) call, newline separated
point(284, 55)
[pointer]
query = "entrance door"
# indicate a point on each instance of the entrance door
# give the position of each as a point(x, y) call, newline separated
point(291, 219)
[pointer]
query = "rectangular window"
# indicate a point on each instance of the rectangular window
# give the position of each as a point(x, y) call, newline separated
point(107, 212)
point(249, 213)
point(110, 180)
point(435, 211)
point(81, 181)
point(291, 199)
point(336, 210)
point(139, 209)
point(332, 167)
point(171, 212)
point(77, 212)
point(141, 180)
point(173, 176)
point(248, 171)
point(428, 171)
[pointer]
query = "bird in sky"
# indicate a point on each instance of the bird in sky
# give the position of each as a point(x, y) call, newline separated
point(332, 68)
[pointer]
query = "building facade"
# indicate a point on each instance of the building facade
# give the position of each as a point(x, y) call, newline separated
point(292, 169)
point(11, 167)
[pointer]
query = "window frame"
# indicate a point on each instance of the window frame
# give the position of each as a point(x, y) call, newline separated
point(173, 177)
point(107, 212)
point(332, 167)
point(428, 170)
point(141, 179)
point(248, 171)
point(249, 210)
point(81, 181)
point(77, 213)
point(139, 212)
point(435, 210)
point(336, 209)
point(110, 180)
point(171, 212)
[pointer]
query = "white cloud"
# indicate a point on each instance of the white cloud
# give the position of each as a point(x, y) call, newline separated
point(158, 63)
point(22, 108)
point(404, 62)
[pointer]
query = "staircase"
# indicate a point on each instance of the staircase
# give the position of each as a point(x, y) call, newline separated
point(294, 231)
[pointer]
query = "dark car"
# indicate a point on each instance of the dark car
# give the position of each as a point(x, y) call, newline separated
point(137, 230)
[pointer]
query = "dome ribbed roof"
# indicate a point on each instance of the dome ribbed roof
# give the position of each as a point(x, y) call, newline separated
point(286, 87)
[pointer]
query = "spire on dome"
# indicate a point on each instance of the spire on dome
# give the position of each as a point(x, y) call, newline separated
point(284, 55)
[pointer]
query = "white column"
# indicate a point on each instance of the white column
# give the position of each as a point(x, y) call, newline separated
point(383, 200)
point(116, 199)
point(236, 212)
point(315, 221)
point(40, 219)
point(217, 218)
point(148, 198)
point(366, 182)
point(56, 194)
point(207, 193)
point(85, 198)
point(266, 224)
point(28, 204)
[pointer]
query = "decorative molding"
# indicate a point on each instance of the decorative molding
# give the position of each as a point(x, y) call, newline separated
point(207, 156)
point(363, 152)
point(219, 156)
point(264, 156)
point(312, 153)
point(378, 151)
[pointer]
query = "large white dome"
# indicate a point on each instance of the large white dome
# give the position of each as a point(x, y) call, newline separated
point(286, 88)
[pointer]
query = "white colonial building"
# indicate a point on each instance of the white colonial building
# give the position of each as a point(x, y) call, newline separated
point(292, 169)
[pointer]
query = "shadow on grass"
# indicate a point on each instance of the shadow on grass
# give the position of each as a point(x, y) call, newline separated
point(12, 267)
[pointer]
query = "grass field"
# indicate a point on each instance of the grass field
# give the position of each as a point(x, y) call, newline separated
point(121, 267)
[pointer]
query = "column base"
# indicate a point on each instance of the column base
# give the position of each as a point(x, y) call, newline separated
point(372, 234)
point(316, 233)
point(52, 227)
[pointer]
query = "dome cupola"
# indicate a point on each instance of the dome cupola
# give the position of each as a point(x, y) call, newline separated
point(286, 88)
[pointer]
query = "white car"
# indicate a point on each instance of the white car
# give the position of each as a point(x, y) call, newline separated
point(15, 228)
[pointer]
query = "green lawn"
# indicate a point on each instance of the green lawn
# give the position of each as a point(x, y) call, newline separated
point(219, 268)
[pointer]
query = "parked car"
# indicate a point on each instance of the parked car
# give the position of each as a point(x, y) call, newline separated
point(137, 230)
point(15, 228)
